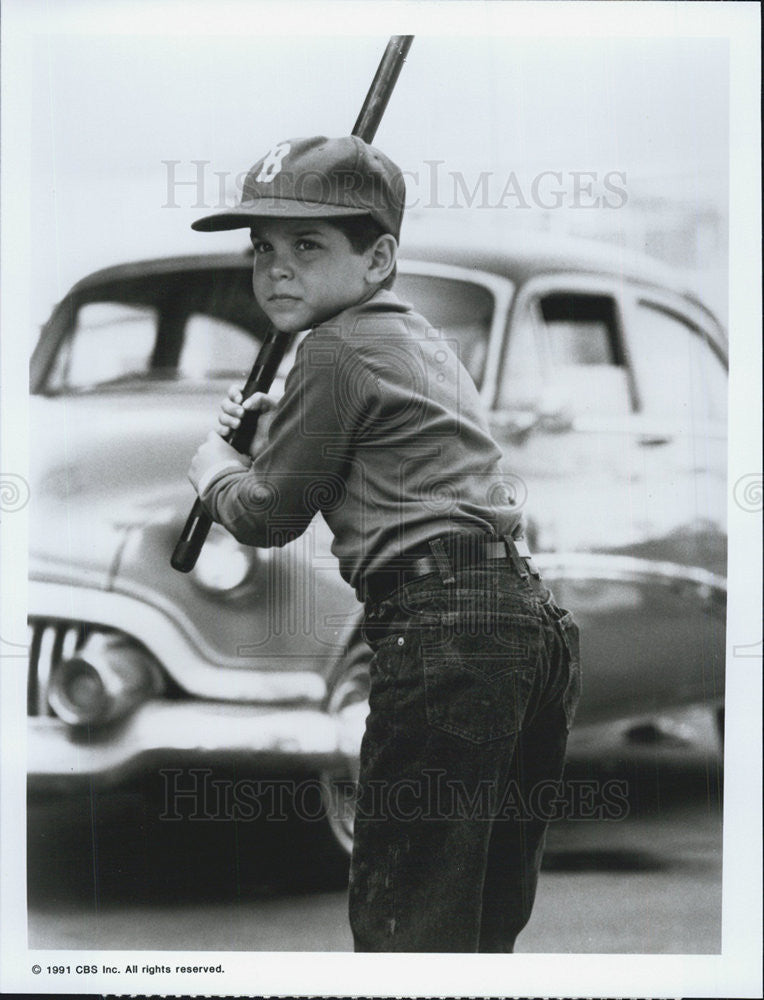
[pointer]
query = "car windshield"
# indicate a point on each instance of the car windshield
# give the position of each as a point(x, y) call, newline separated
point(190, 326)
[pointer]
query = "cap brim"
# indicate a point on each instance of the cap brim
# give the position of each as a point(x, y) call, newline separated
point(244, 216)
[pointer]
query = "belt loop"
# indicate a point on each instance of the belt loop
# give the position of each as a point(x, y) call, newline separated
point(514, 556)
point(438, 550)
point(525, 554)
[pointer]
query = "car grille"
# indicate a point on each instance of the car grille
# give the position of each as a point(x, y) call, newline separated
point(50, 641)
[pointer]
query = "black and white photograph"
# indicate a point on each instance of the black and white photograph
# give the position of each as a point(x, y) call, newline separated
point(380, 498)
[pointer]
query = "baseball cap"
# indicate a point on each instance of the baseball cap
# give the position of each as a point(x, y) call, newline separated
point(317, 178)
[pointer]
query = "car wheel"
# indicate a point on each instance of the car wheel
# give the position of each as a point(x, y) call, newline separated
point(347, 703)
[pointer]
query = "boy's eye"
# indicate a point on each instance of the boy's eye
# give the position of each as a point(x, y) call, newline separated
point(306, 244)
point(260, 246)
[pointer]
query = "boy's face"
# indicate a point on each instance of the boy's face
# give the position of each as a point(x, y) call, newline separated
point(306, 271)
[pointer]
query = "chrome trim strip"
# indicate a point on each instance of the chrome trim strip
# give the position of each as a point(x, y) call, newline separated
point(199, 675)
point(601, 566)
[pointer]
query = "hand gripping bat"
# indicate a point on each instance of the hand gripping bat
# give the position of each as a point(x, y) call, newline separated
point(269, 356)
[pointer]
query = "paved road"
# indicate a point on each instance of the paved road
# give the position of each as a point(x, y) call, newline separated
point(104, 873)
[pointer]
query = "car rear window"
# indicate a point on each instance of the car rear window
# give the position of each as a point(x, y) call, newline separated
point(680, 375)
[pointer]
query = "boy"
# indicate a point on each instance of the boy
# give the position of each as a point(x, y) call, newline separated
point(474, 678)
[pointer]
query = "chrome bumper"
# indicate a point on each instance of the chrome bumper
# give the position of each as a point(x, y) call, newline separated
point(160, 733)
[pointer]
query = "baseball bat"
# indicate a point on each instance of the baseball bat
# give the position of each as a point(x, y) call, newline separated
point(269, 356)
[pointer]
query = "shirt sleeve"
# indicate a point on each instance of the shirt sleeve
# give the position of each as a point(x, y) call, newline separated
point(302, 468)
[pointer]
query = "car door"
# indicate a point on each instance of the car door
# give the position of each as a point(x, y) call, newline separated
point(680, 429)
point(564, 410)
point(600, 410)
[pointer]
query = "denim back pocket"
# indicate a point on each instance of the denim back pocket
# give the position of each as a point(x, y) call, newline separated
point(479, 673)
point(571, 640)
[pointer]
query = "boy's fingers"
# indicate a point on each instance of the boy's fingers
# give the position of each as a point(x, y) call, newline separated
point(259, 401)
point(234, 394)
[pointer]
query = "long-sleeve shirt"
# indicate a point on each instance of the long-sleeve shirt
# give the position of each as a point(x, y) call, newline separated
point(382, 430)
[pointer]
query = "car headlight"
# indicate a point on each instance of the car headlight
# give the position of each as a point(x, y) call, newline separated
point(223, 563)
point(109, 677)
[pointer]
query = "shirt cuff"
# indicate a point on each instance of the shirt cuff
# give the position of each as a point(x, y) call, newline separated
point(213, 471)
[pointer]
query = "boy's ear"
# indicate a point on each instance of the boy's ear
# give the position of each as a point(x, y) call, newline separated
point(382, 257)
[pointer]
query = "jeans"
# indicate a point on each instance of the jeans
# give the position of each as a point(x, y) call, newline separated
point(474, 685)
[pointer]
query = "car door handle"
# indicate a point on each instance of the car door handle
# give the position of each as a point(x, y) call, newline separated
point(518, 426)
point(654, 440)
point(515, 427)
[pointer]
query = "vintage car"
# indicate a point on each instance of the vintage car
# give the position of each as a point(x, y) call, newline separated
point(605, 383)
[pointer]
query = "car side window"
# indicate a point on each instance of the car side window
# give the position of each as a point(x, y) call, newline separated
point(109, 342)
point(215, 348)
point(681, 377)
point(565, 351)
point(462, 310)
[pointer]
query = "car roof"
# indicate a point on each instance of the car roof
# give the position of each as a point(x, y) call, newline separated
point(522, 256)
point(518, 256)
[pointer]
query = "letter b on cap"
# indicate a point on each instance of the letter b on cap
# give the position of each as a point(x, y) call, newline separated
point(272, 163)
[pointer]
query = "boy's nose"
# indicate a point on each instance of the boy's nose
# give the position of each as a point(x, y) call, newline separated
point(279, 267)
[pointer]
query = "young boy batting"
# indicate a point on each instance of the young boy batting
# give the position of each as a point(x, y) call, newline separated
point(475, 673)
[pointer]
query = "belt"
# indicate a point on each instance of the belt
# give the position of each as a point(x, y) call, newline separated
point(447, 556)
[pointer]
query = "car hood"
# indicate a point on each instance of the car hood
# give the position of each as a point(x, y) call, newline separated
point(101, 465)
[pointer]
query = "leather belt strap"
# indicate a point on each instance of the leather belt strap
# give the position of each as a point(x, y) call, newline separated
point(449, 555)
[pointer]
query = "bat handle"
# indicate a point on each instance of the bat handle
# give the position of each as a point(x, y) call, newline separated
point(199, 522)
point(191, 539)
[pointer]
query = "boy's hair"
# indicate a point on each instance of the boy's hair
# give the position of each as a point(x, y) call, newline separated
point(361, 231)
